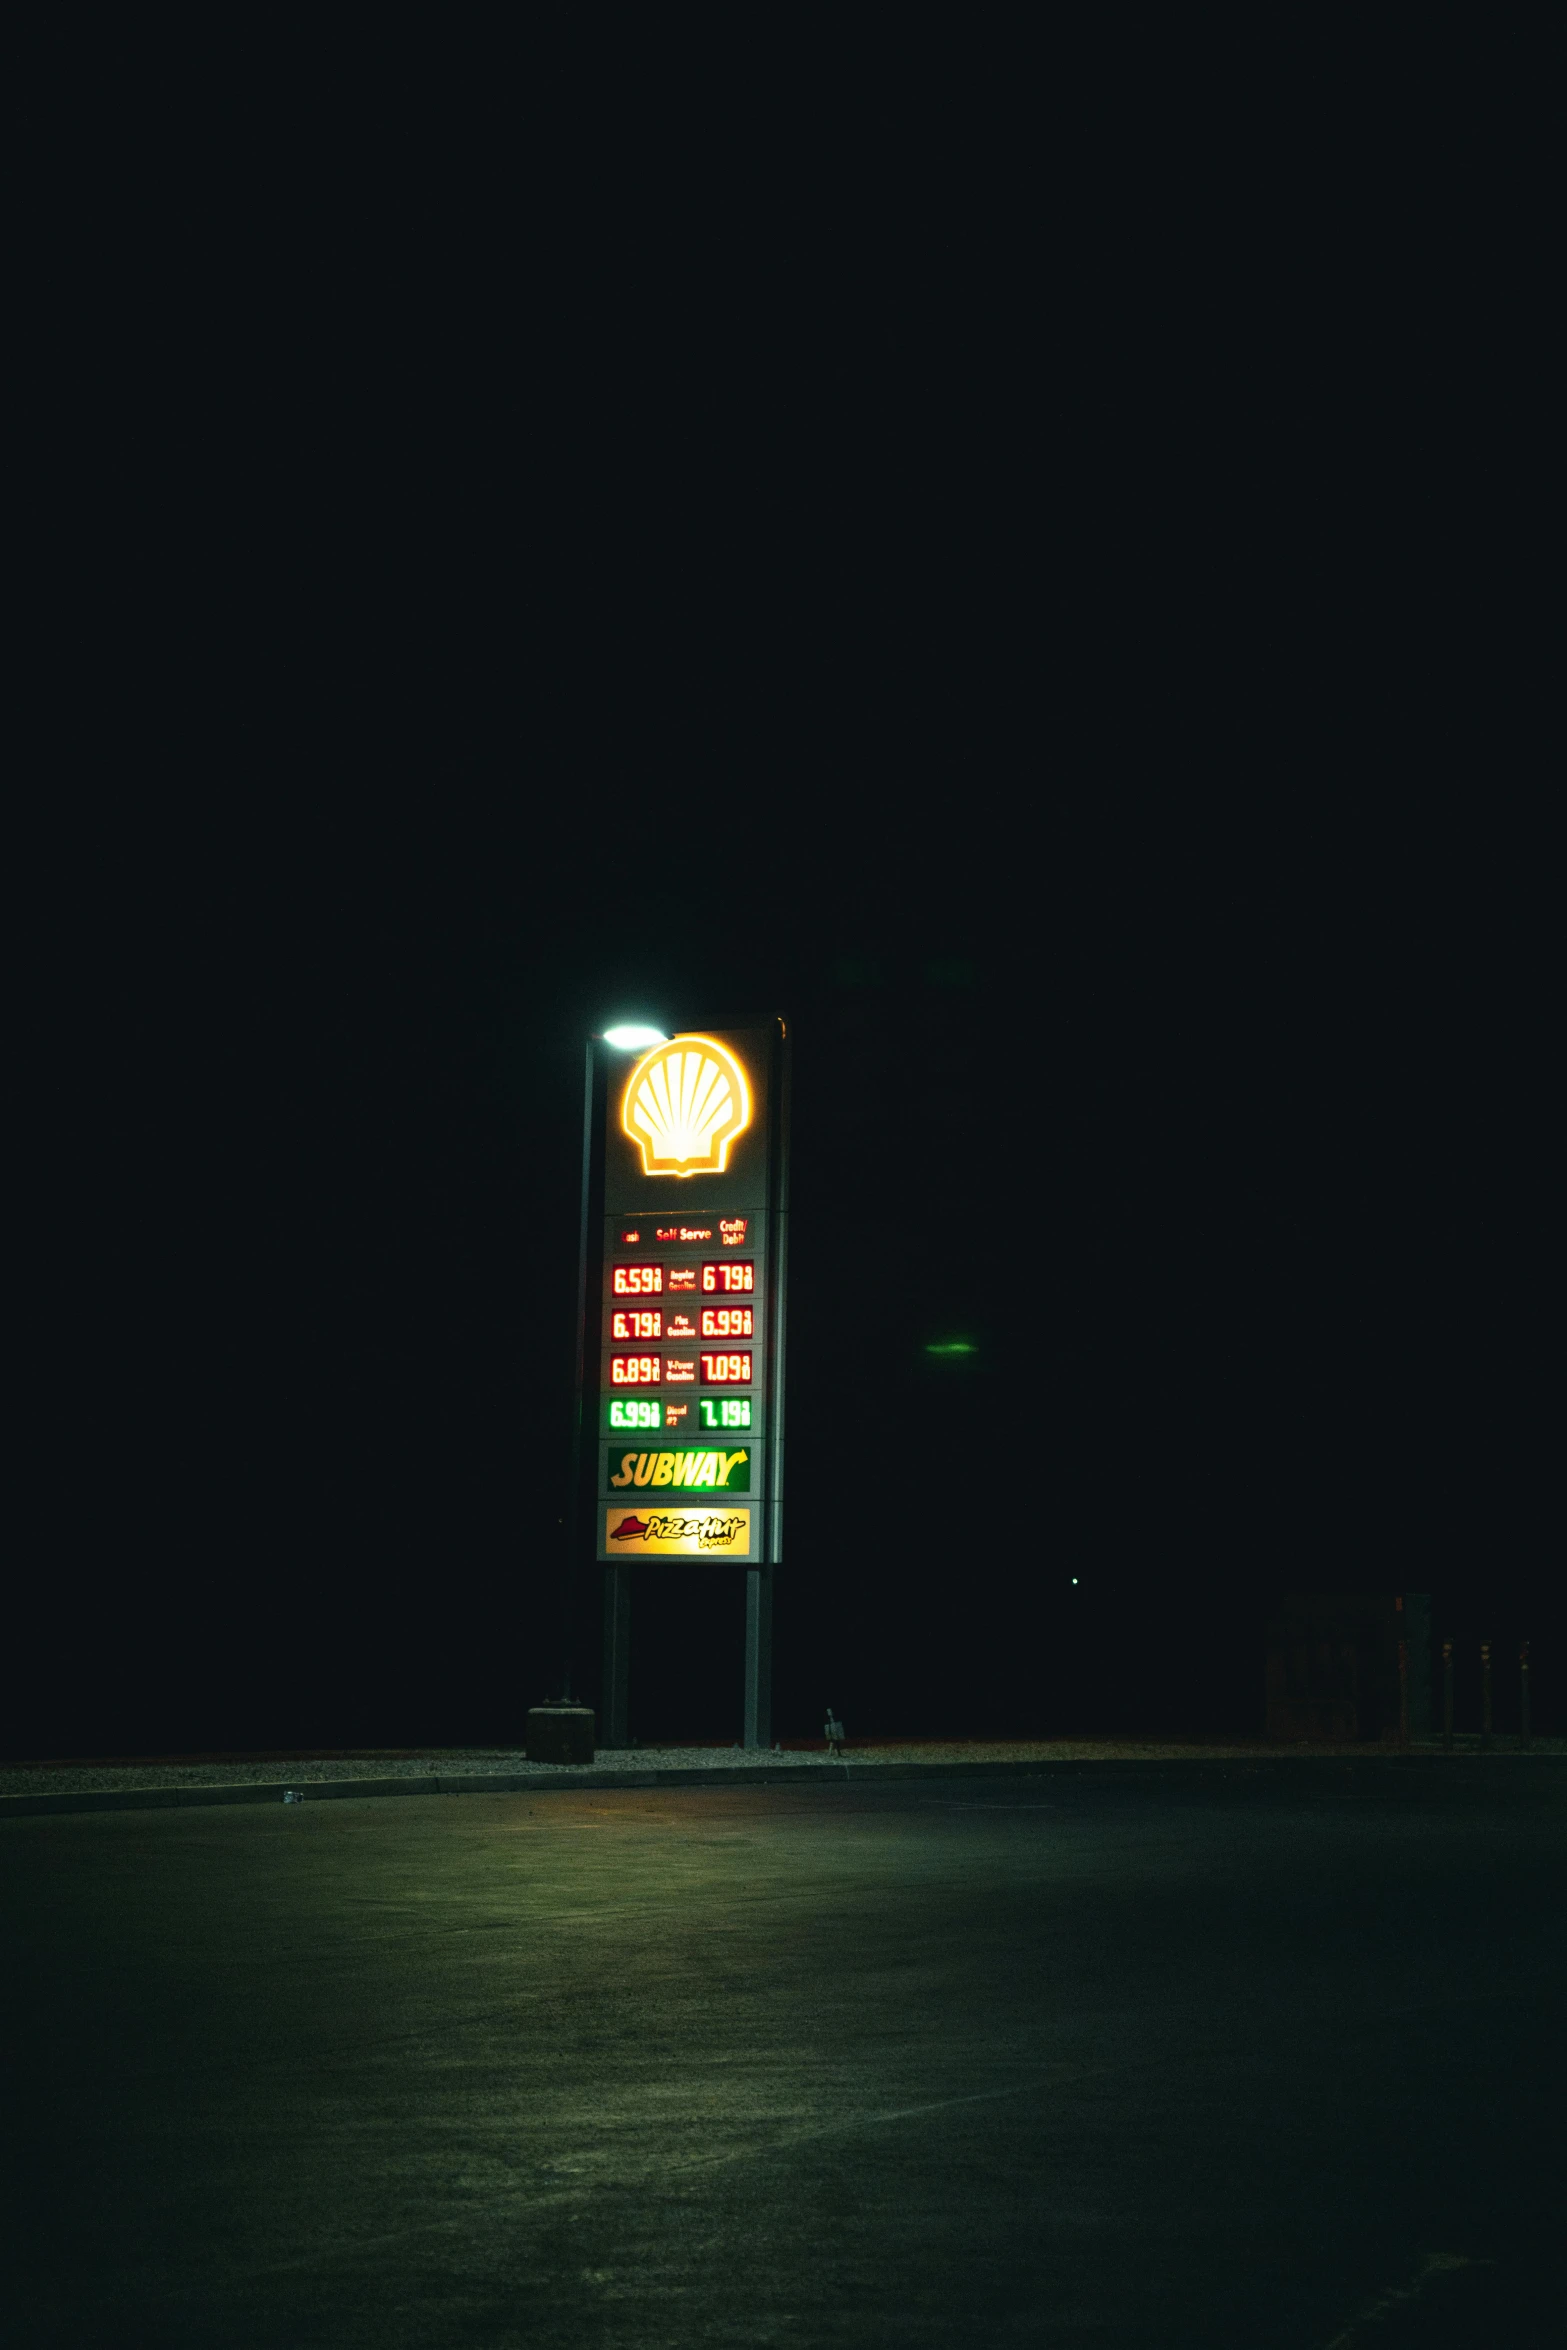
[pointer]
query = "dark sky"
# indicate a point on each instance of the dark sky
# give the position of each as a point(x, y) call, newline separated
point(1010, 640)
point(1228, 1181)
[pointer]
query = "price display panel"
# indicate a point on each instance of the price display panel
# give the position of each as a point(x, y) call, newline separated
point(636, 1413)
point(687, 1315)
point(730, 1279)
point(728, 1321)
point(632, 1411)
point(637, 1280)
point(636, 1322)
point(724, 1411)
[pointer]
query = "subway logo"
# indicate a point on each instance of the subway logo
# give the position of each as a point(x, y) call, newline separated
point(723, 1472)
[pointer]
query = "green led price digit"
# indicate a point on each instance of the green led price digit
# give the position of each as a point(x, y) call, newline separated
point(725, 1411)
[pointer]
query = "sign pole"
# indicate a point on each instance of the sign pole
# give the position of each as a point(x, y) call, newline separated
point(759, 1656)
point(574, 1492)
point(615, 1701)
point(759, 1580)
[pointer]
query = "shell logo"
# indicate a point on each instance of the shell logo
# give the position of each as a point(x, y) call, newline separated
point(685, 1102)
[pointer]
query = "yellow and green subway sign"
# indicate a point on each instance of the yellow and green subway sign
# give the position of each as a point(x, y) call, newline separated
point(718, 1471)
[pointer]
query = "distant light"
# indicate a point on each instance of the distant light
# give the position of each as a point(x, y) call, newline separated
point(1074, 1578)
point(950, 1346)
point(631, 1038)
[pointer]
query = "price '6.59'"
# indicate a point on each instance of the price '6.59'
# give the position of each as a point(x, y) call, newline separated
point(637, 1280)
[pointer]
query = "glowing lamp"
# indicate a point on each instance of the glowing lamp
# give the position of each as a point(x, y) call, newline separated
point(629, 1038)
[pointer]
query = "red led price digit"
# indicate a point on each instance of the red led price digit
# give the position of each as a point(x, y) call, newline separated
point(729, 1278)
point(726, 1321)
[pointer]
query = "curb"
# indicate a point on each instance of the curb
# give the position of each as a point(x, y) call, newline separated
point(562, 1778)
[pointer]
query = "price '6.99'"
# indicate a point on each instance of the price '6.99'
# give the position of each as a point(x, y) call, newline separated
point(721, 1322)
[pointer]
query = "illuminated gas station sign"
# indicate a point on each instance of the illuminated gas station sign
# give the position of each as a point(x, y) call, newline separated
point(690, 1316)
point(685, 1104)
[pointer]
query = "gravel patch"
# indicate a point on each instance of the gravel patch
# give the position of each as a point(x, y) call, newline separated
point(87, 1776)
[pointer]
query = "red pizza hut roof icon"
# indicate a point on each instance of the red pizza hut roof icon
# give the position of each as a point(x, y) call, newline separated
point(629, 1530)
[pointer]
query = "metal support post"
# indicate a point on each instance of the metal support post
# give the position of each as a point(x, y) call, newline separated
point(759, 1656)
point(1403, 1696)
point(614, 1699)
point(759, 1580)
point(1523, 1693)
point(1485, 1693)
point(1447, 1697)
point(571, 1521)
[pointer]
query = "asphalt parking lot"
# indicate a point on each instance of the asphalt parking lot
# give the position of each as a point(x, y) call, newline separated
point(1271, 2060)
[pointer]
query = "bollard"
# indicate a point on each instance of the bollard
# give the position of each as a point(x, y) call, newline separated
point(1485, 1695)
point(1403, 1695)
point(1447, 1697)
point(1523, 1676)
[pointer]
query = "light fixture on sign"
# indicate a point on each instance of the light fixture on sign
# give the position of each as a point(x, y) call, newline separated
point(685, 1102)
point(630, 1037)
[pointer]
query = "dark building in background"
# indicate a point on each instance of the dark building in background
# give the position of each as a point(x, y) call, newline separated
point(1332, 1672)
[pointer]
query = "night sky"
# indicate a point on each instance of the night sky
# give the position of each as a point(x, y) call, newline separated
point(965, 632)
point(1210, 1178)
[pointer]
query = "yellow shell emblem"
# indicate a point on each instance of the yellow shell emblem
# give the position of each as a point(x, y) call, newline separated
point(685, 1102)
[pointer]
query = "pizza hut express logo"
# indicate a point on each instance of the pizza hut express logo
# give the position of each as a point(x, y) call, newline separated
point(712, 1531)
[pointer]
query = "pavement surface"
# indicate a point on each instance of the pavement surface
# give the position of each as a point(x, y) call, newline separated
point(1243, 2061)
point(61, 1783)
